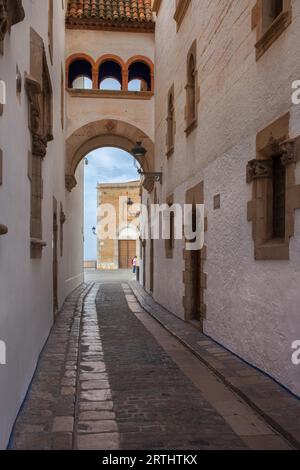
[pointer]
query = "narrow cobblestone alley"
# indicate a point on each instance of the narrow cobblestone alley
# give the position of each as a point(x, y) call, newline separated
point(111, 378)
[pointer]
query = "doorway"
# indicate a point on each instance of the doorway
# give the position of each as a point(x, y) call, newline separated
point(151, 265)
point(194, 277)
point(195, 313)
point(127, 251)
point(55, 259)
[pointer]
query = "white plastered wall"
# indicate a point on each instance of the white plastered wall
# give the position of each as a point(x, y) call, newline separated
point(252, 307)
point(26, 307)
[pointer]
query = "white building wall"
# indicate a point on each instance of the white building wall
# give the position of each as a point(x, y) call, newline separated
point(98, 43)
point(252, 306)
point(26, 312)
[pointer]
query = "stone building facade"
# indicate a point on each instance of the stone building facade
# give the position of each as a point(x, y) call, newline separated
point(227, 135)
point(40, 222)
point(117, 251)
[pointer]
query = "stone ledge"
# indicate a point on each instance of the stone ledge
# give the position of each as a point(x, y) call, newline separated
point(238, 375)
point(110, 94)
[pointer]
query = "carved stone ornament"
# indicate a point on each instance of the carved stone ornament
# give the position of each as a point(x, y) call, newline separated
point(148, 183)
point(290, 151)
point(110, 126)
point(11, 12)
point(274, 145)
point(39, 141)
point(71, 182)
point(257, 169)
point(4, 21)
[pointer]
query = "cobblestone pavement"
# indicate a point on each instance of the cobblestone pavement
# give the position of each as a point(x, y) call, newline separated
point(109, 379)
point(274, 403)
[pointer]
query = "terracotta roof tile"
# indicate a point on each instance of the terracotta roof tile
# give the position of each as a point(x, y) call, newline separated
point(114, 13)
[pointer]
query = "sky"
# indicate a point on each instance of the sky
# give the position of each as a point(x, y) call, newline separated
point(106, 165)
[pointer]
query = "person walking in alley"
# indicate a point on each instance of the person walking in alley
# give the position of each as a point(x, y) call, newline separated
point(134, 264)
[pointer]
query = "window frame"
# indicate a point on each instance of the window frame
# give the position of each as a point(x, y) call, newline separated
point(181, 8)
point(266, 37)
point(272, 141)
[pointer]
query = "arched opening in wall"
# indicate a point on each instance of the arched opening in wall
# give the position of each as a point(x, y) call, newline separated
point(111, 211)
point(105, 150)
point(139, 77)
point(137, 85)
point(110, 76)
point(80, 75)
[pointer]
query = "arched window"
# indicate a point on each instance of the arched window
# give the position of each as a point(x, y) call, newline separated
point(170, 122)
point(80, 74)
point(191, 90)
point(137, 85)
point(110, 76)
point(139, 77)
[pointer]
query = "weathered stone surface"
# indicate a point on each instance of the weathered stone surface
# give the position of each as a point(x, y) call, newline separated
point(104, 441)
point(63, 424)
point(96, 395)
point(96, 415)
point(95, 384)
point(97, 426)
point(140, 401)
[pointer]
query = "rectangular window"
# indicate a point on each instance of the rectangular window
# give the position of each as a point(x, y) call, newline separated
point(279, 189)
point(275, 194)
point(270, 18)
point(271, 10)
point(181, 7)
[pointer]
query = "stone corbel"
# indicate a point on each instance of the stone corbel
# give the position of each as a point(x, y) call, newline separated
point(290, 150)
point(148, 183)
point(3, 229)
point(258, 169)
point(70, 182)
point(39, 141)
point(37, 246)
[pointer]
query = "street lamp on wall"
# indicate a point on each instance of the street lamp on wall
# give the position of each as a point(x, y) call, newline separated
point(139, 152)
point(130, 202)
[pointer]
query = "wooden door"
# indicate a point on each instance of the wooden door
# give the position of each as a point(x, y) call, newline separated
point(196, 285)
point(127, 251)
